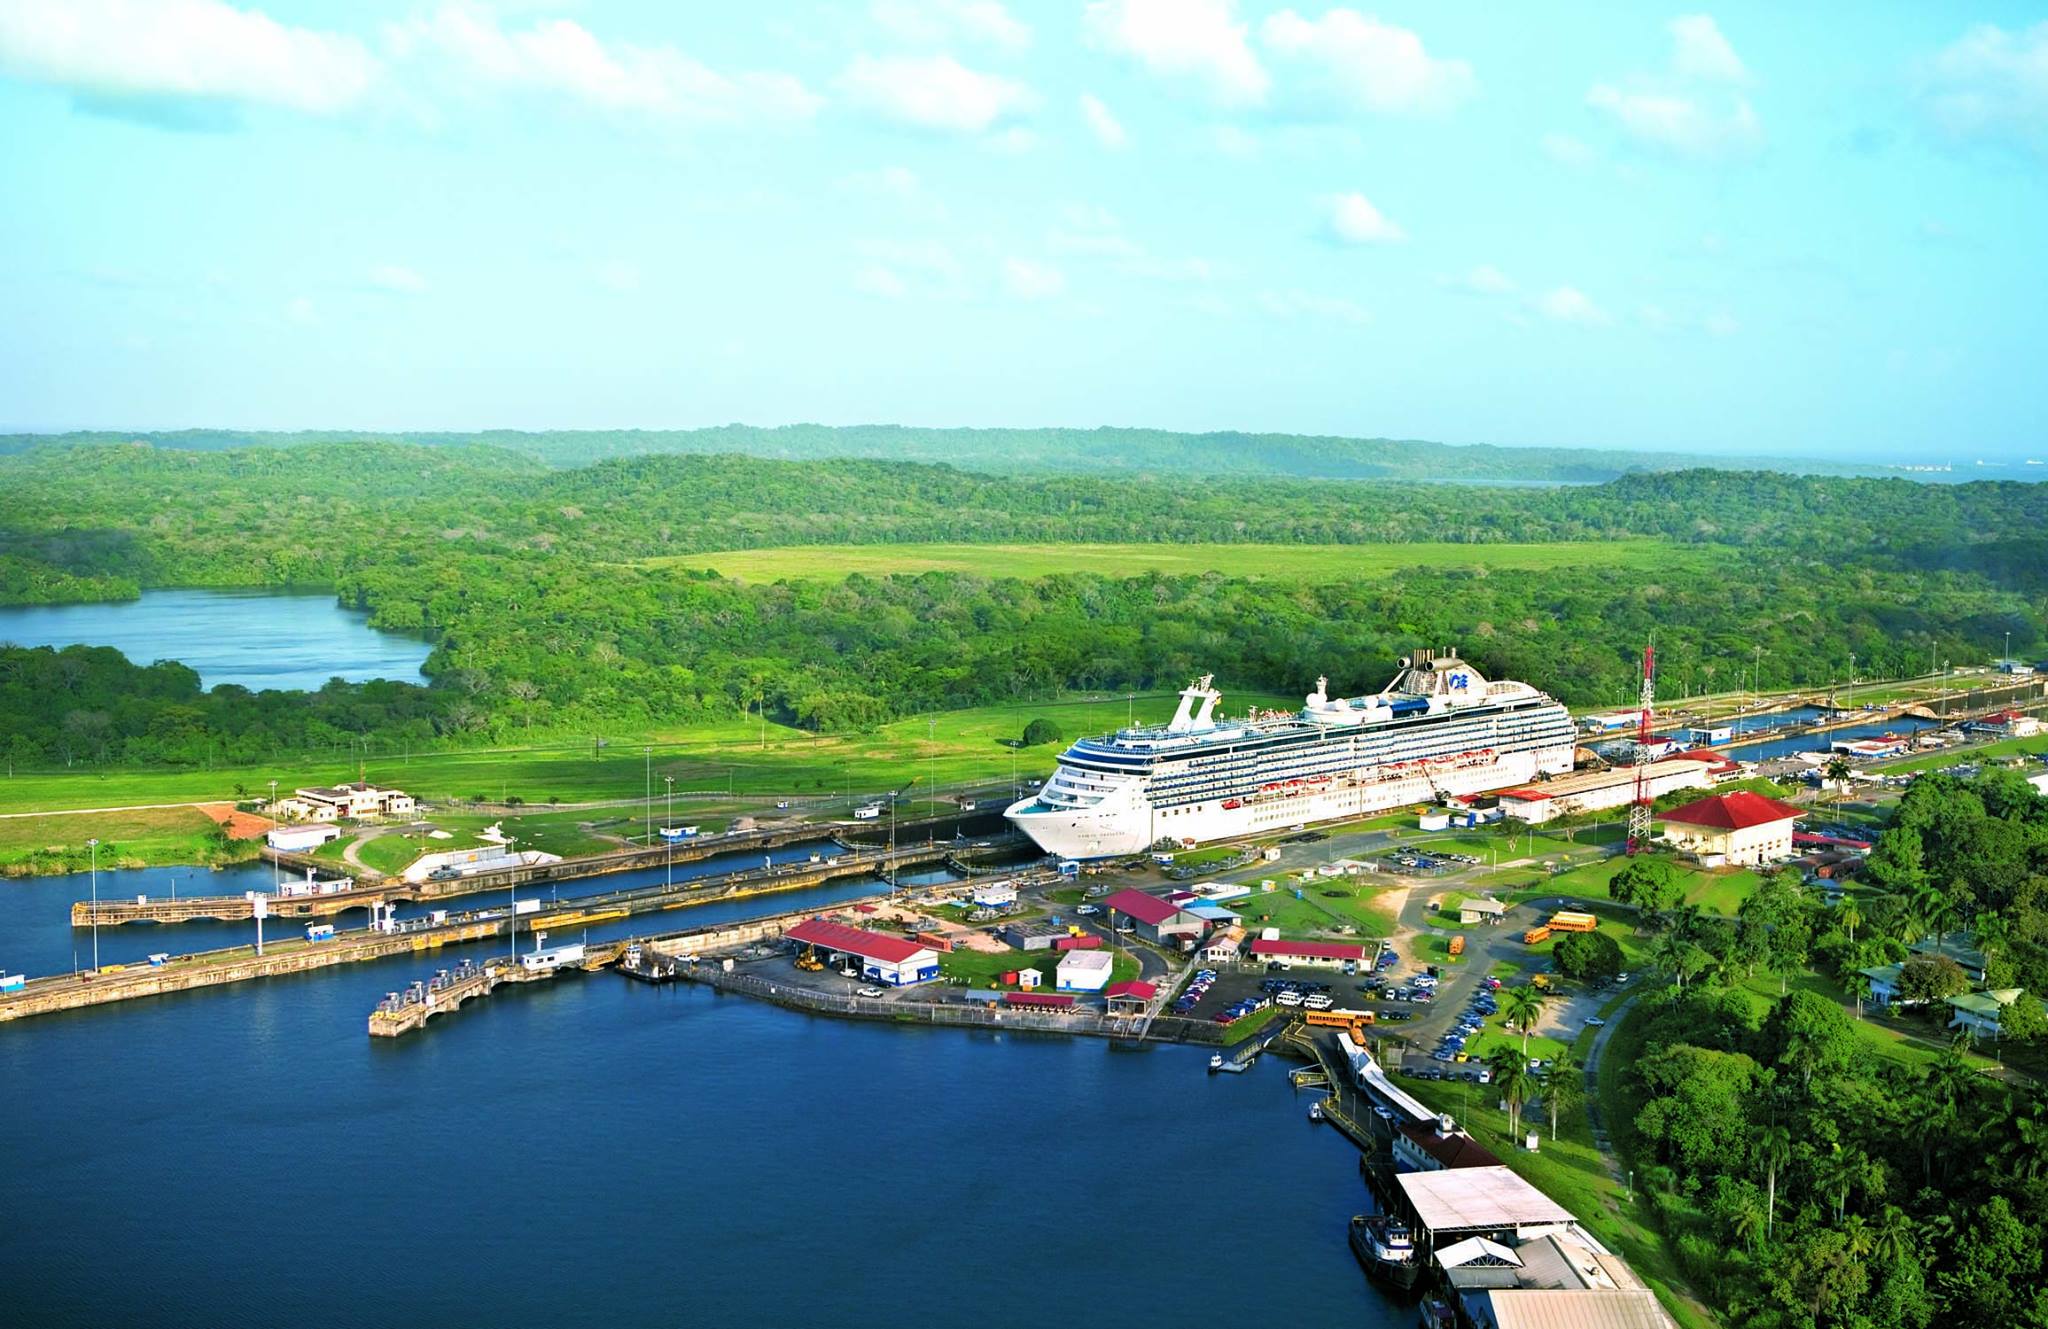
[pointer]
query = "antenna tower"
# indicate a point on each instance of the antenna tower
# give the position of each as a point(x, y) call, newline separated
point(1639, 810)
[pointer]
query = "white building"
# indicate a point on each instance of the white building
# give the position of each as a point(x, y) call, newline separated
point(883, 958)
point(1737, 828)
point(300, 839)
point(358, 800)
point(1594, 791)
point(1083, 971)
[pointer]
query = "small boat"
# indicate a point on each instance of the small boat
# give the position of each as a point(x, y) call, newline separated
point(1386, 1247)
point(1315, 1110)
point(1436, 1314)
point(1215, 1062)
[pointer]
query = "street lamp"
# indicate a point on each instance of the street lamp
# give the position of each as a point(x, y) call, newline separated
point(668, 852)
point(94, 845)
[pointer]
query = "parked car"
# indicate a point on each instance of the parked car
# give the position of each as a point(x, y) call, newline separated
point(1087, 910)
point(1594, 1022)
point(873, 992)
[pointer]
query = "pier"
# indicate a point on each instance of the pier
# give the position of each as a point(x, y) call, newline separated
point(402, 1012)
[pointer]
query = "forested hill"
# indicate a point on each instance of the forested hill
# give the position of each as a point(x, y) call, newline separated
point(1156, 452)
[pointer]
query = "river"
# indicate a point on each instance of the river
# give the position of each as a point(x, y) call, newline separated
point(591, 1151)
point(258, 639)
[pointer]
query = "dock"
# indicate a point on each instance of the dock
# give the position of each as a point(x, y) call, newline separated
point(402, 1012)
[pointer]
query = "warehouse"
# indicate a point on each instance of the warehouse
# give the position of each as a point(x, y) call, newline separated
point(1594, 791)
point(1479, 1202)
point(1033, 936)
point(1155, 920)
point(884, 959)
point(1330, 953)
point(1737, 828)
point(1481, 909)
point(300, 839)
point(1083, 971)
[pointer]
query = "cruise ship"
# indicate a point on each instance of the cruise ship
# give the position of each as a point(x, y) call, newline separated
point(1438, 729)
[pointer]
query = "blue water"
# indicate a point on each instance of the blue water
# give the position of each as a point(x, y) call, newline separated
point(259, 639)
point(595, 1152)
point(1823, 742)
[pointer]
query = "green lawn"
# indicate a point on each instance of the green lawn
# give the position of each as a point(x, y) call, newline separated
point(1718, 890)
point(983, 970)
point(2008, 747)
point(127, 839)
point(1329, 907)
point(1301, 562)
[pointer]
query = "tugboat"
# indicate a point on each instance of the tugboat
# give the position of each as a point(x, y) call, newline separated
point(1386, 1247)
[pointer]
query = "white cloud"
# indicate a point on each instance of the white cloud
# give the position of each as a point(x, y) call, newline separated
point(1012, 141)
point(1566, 150)
point(932, 22)
point(1355, 221)
point(1720, 323)
point(874, 279)
point(1030, 280)
point(1296, 304)
point(300, 310)
point(1197, 40)
point(1990, 83)
point(1109, 132)
point(199, 50)
point(1373, 65)
point(933, 92)
point(1688, 111)
point(1679, 123)
point(1486, 280)
point(1700, 51)
point(397, 279)
point(559, 56)
point(1567, 304)
point(1655, 317)
point(900, 187)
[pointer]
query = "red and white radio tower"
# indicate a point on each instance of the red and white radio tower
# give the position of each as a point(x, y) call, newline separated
point(1639, 811)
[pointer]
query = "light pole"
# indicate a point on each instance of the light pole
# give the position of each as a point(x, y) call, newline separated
point(668, 852)
point(94, 845)
point(648, 754)
point(512, 905)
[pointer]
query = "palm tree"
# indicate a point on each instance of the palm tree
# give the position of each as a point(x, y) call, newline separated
point(1565, 1088)
point(1835, 1174)
point(1859, 1235)
point(1673, 955)
point(1859, 988)
point(1521, 1006)
point(1746, 1224)
point(1836, 773)
point(1850, 918)
point(1892, 1241)
point(1514, 1087)
point(1774, 1151)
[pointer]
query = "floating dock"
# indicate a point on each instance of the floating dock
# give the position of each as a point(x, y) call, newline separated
point(402, 1012)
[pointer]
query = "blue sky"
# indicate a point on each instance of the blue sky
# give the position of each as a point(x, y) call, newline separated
point(1760, 227)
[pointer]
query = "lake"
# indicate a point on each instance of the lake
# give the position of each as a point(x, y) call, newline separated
point(258, 639)
point(594, 1152)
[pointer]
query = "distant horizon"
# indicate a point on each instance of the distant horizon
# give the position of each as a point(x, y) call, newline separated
point(2016, 458)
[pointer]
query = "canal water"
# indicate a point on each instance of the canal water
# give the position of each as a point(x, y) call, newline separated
point(594, 1152)
point(259, 639)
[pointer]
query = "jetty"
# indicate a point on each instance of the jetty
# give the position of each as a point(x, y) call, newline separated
point(402, 1012)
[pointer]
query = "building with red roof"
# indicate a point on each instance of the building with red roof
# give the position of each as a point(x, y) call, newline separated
point(1308, 952)
point(1051, 1001)
point(1154, 919)
point(883, 958)
point(1738, 828)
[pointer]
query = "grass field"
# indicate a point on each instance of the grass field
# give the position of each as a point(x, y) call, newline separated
point(1330, 906)
point(982, 969)
point(127, 839)
point(1301, 562)
point(1717, 890)
point(949, 748)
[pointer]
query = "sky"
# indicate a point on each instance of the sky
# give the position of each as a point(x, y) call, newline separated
point(1789, 229)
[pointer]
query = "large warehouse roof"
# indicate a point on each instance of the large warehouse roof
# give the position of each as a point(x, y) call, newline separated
point(1145, 908)
point(1312, 950)
point(854, 941)
point(1477, 1199)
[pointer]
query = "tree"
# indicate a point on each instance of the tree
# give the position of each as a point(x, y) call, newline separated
point(1648, 883)
point(2024, 1020)
point(1591, 957)
point(1040, 732)
point(1564, 1089)
point(1522, 1006)
point(1809, 1034)
point(1931, 978)
point(1898, 861)
point(1773, 1153)
point(1511, 1080)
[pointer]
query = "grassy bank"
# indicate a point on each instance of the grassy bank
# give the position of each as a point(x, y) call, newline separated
point(150, 837)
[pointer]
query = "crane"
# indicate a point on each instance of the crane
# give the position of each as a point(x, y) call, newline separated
point(1639, 810)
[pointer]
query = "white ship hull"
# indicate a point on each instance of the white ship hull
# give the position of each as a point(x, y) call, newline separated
point(1124, 822)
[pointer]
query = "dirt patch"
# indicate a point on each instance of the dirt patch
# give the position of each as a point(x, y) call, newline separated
point(239, 825)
